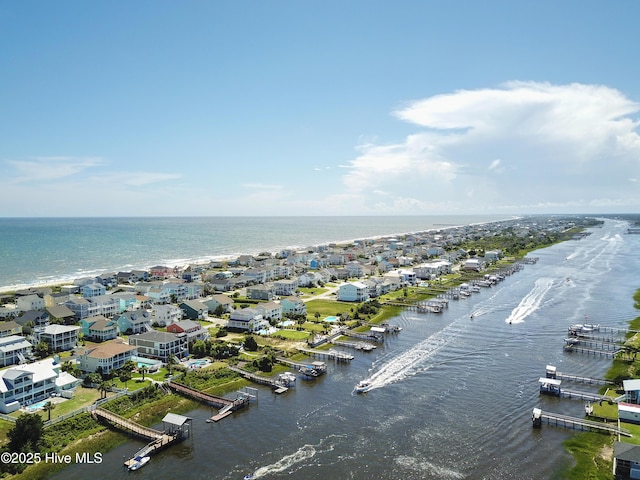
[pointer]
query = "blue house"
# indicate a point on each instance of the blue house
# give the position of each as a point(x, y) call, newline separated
point(138, 321)
point(93, 290)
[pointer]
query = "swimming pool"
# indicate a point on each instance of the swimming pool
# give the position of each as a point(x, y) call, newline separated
point(331, 319)
point(37, 406)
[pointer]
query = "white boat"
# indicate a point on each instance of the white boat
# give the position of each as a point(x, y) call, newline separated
point(139, 462)
point(363, 386)
point(249, 476)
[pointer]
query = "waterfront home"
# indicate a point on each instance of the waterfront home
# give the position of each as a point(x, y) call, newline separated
point(30, 302)
point(194, 310)
point(160, 272)
point(493, 255)
point(108, 279)
point(433, 267)
point(92, 290)
point(632, 390)
point(34, 318)
point(106, 357)
point(160, 345)
point(353, 292)
point(14, 349)
point(137, 321)
point(82, 308)
point(164, 315)
point(374, 289)
point(61, 314)
point(59, 337)
point(190, 275)
point(52, 299)
point(219, 300)
point(221, 284)
point(10, 327)
point(193, 330)
point(626, 461)
point(248, 319)
point(270, 310)
point(99, 328)
point(261, 292)
point(108, 305)
point(29, 383)
point(293, 305)
point(286, 287)
point(474, 264)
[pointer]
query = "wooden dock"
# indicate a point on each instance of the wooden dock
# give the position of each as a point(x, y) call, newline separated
point(580, 379)
point(367, 347)
point(126, 424)
point(591, 351)
point(578, 395)
point(576, 423)
point(159, 440)
point(227, 406)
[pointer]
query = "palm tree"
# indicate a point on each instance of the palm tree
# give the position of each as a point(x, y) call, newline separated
point(104, 388)
point(171, 361)
point(317, 315)
point(47, 408)
point(143, 370)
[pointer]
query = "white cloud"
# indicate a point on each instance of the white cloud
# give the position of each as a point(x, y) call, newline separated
point(44, 169)
point(569, 146)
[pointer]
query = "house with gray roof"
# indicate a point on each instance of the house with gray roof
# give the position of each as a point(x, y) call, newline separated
point(160, 345)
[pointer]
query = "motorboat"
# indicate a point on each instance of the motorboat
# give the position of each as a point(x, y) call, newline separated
point(363, 386)
point(139, 462)
point(250, 476)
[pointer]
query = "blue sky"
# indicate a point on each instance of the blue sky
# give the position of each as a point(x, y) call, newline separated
point(319, 108)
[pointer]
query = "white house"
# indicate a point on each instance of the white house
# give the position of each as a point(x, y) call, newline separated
point(165, 315)
point(25, 384)
point(353, 292)
point(13, 349)
point(160, 345)
point(60, 337)
point(30, 302)
point(107, 356)
point(249, 319)
point(270, 310)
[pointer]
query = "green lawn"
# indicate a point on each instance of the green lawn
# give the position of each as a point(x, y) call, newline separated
point(295, 335)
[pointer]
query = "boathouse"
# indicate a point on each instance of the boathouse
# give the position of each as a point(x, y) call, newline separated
point(174, 424)
point(550, 386)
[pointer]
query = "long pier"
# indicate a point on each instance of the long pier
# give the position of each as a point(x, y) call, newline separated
point(592, 397)
point(591, 351)
point(575, 423)
point(159, 440)
point(128, 425)
point(579, 379)
point(367, 347)
point(226, 406)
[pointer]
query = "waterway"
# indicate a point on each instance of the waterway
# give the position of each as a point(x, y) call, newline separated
point(453, 392)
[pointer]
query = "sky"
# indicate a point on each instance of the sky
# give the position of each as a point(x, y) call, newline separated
point(255, 108)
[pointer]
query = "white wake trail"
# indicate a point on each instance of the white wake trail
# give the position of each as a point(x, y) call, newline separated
point(531, 302)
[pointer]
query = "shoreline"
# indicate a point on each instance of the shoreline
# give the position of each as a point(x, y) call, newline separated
point(183, 263)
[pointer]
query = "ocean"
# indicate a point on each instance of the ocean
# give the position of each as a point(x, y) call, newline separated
point(39, 251)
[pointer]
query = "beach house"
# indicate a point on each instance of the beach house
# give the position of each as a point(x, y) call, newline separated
point(194, 310)
point(193, 330)
point(353, 292)
point(30, 302)
point(137, 321)
point(293, 305)
point(14, 349)
point(164, 315)
point(10, 327)
point(248, 319)
point(220, 300)
point(106, 357)
point(160, 345)
point(29, 383)
point(59, 337)
point(99, 328)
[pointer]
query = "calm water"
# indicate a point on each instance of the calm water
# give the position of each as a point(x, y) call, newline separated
point(46, 250)
point(453, 395)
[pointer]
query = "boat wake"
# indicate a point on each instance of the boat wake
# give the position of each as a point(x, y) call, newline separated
point(293, 461)
point(410, 362)
point(531, 301)
point(421, 466)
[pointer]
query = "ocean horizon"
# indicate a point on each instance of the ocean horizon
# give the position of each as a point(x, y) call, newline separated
point(53, 250)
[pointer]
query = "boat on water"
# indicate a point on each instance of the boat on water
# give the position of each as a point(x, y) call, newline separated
point(363, 386)
point(250, 476)
point(139, 462)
